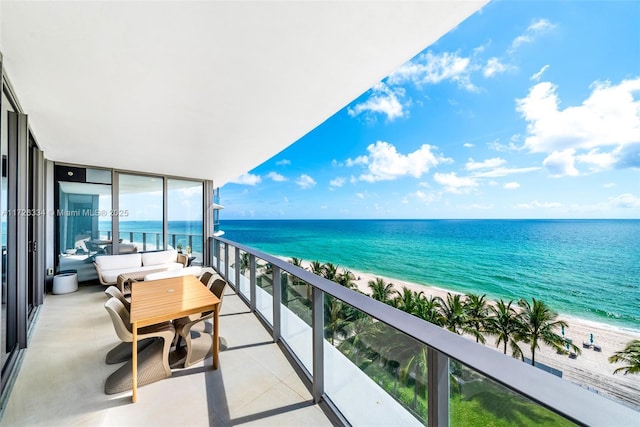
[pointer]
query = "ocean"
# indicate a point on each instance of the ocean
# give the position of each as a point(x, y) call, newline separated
point(583, 268)
point(184, 233)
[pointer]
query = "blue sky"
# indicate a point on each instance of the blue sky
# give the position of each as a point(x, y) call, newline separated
point(525, 110)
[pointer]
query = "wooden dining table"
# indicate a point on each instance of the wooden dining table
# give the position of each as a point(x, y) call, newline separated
point(157, 301)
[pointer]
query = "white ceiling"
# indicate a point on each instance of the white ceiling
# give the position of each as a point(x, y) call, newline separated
point(206, 89)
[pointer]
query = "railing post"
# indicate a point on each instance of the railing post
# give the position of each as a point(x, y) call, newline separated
point(438, 388)
point(144, 241)
point(317, 330)
point(157, 240)
point(190, 241)
point(252, 282)
point(237, 278)
point(226, 261)
point(277, 301)
point(173, 240)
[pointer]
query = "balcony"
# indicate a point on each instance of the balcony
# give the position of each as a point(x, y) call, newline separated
point(63, 374)
point(285, 363)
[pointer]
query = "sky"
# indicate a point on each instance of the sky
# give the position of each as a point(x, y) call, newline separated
point(525, 110)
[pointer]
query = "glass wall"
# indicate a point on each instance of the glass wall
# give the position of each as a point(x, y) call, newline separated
point(140, 213)
point(184, 210)
point(4, 351)
point(84, 225)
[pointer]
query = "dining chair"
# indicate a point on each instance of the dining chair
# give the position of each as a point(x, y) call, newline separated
point(198, 345)
point(153, 361)
point(114, 292)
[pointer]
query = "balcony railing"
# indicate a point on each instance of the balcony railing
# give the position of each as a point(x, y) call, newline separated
point(152, 240)
point(376, 365)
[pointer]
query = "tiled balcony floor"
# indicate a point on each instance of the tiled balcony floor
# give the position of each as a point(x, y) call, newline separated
point(61, 381)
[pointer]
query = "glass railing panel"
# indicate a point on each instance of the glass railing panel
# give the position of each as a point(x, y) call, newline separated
point(233, 264)
point(264, 289)
point(245, 275)
point(476, 400)
point(374, 374)
point(221, 257)
point(295, 318)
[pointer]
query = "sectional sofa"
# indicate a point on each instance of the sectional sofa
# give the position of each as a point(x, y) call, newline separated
point(109, 267)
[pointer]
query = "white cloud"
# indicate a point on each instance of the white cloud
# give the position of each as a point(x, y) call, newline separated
point(500, 172)
point(511, 186)
point(609, 185)
point(426, 197)
point(603, 132)
point(360, 195)
point(455, 184)
point(537, 76)
point(283, 162)
point(496, 145)
point(625, 201)
point(286, 199)
point(561, 163)
point(429, 68)
point(493, 67)
point(598, 161)
point(360, 160)
point(248, 179)
point(467, 145)
point(275, 176)
point(305, 182)
point(487, 164)
point(353, 179)
point(384, 100)
point(538, 205)
point(536, 28)
point(384, 163)
point(482, 207)
point(493, 168)
point(337, 182)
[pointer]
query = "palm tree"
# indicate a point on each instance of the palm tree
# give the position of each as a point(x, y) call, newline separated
point(453, 314)
point(316, 268)
point(537, 323)
point(346, 279)
point(381, 290)
point(244, 262)
point(477, 313)
point(504, 322)
point(631, 356)
point(330, 271)
point(429, 309)
point(407, 300)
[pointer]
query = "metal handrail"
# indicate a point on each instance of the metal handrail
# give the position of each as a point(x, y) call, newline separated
point(560, 396)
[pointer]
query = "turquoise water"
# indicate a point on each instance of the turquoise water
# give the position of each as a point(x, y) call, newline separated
point(584, 268)
point(181, 229)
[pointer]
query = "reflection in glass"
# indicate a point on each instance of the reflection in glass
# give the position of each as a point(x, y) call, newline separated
point(3, 204)
point(395, 363)
point(185, 218)
point(245, 272)
point(140, 213)
point(84, 228)
point(264, 289)
point(296, 318)
point(477, 400)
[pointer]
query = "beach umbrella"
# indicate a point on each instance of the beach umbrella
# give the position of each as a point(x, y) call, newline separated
point(591, 338)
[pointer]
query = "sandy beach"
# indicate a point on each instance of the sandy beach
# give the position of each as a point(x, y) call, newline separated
point(591, 369)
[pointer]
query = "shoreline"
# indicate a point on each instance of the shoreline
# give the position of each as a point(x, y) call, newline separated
point(591, 369)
